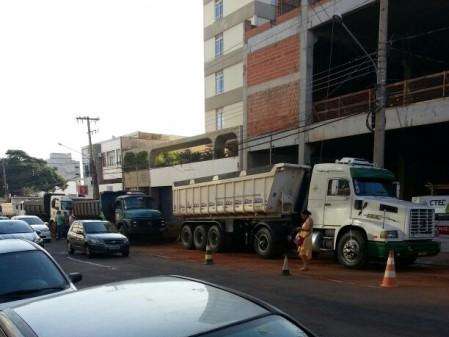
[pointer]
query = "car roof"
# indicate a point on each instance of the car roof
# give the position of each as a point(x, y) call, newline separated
point(88, 221)
point(16, 245)
point(152, 307)
point(24, 216)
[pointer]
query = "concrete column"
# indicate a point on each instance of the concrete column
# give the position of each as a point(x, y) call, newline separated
point(306, 41)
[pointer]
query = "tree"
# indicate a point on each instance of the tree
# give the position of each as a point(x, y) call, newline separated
point(129, 162)
point(26, 174)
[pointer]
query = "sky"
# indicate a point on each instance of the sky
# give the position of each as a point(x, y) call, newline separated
point(135, 64)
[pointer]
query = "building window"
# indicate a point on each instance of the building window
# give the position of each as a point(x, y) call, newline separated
point(219, 44)
point(119, 157)
point(218, 9)
point(110, 158)
point(219, 119)
point(219, 82)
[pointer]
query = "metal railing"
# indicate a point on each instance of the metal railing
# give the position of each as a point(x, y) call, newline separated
point(285, 6)
point(403, 93)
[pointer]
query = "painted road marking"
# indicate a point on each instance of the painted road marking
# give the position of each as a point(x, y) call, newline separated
point(91, 263)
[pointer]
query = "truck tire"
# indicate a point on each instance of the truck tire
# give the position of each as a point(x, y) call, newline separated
point(263, 243)
point(351, 250)
point(186, 236)
point(200, 237)
point(215, 237)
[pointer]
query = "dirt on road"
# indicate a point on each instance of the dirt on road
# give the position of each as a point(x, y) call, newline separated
point(430, 273)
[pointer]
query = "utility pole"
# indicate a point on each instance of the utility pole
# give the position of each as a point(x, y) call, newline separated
point(380, 121)
point(93, 169)
point(5, 183)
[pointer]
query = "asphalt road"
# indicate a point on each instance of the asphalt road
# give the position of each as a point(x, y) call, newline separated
point(330, 309)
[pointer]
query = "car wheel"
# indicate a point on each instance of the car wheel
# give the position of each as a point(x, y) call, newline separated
point(215, 238)
point(125, 253)
point(263, 243)
point(88, 252)
point(200, 237)
point(351, 250)
point(70, 249)
point(186, 237)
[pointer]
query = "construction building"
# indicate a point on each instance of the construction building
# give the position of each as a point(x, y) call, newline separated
point(310, 87)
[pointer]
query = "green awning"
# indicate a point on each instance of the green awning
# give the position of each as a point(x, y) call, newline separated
point(371, 173)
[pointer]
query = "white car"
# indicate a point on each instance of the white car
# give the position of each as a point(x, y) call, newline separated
point(28, 272)
point(37, 224)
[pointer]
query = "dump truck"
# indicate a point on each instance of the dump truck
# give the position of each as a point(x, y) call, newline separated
point(133, 213)
point(353, 204)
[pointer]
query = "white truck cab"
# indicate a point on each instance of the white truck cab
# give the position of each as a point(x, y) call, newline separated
point(356, 214)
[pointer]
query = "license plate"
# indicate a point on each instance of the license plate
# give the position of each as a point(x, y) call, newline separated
point(422, 254)
point(114, 247)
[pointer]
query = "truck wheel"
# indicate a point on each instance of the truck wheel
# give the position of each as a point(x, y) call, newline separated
point(186, 237)
point(215, 238)
point(351, 250)
point(200, 237)
point(263, 243)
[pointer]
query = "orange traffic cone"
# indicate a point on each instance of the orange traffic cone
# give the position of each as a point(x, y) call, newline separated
point(285, 269)
point(389, 280)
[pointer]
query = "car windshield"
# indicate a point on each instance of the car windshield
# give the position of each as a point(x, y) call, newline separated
point(99, 227)
point(137, 202)
point(267, 326)
point(13, 227)
point(28, 274)
point(371, 187)
point(32, 220)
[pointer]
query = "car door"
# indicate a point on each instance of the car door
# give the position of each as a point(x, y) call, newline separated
point(337, 207)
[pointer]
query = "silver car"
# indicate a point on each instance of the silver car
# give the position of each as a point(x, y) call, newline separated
point(152, 307)
point(18, 229)
point(37, 224)
point(28, 272)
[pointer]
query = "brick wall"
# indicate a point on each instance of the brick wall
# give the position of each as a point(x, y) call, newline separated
point(277, 60)
point(273, 110)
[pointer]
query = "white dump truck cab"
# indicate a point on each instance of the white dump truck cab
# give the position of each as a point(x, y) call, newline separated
point(356, 214)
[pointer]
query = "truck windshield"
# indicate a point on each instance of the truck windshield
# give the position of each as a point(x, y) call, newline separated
point(137, 202)
point(66, 205)
point(372, 187)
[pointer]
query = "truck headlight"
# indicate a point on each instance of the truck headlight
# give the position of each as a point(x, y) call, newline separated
point(389, 234)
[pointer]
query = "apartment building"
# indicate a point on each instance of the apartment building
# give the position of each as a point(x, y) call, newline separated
point(66, 167)
point(310, 88)
point(108, 157)
point(225, 23)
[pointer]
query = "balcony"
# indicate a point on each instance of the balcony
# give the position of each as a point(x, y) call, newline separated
point(399, 94)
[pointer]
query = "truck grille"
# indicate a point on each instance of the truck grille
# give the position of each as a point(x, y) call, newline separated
point(421, 222)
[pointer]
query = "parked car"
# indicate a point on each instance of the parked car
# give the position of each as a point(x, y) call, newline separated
point(3, 217)
point(27, 271)
point(152, 307)
point(96, 237)
point(18, 229)
point(37, 224)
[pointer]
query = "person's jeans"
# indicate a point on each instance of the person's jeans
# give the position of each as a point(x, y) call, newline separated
point(59, 231)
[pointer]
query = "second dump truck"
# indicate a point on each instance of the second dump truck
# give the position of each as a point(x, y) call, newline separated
point(354, 207)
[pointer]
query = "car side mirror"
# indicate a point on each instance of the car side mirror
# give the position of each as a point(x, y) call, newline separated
point(75, 277)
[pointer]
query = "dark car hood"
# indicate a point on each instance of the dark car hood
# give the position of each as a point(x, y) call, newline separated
point(102, 236)
point(147, 214)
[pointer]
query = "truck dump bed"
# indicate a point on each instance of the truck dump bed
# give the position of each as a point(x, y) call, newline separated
point(86, 208)
point(273, 192)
